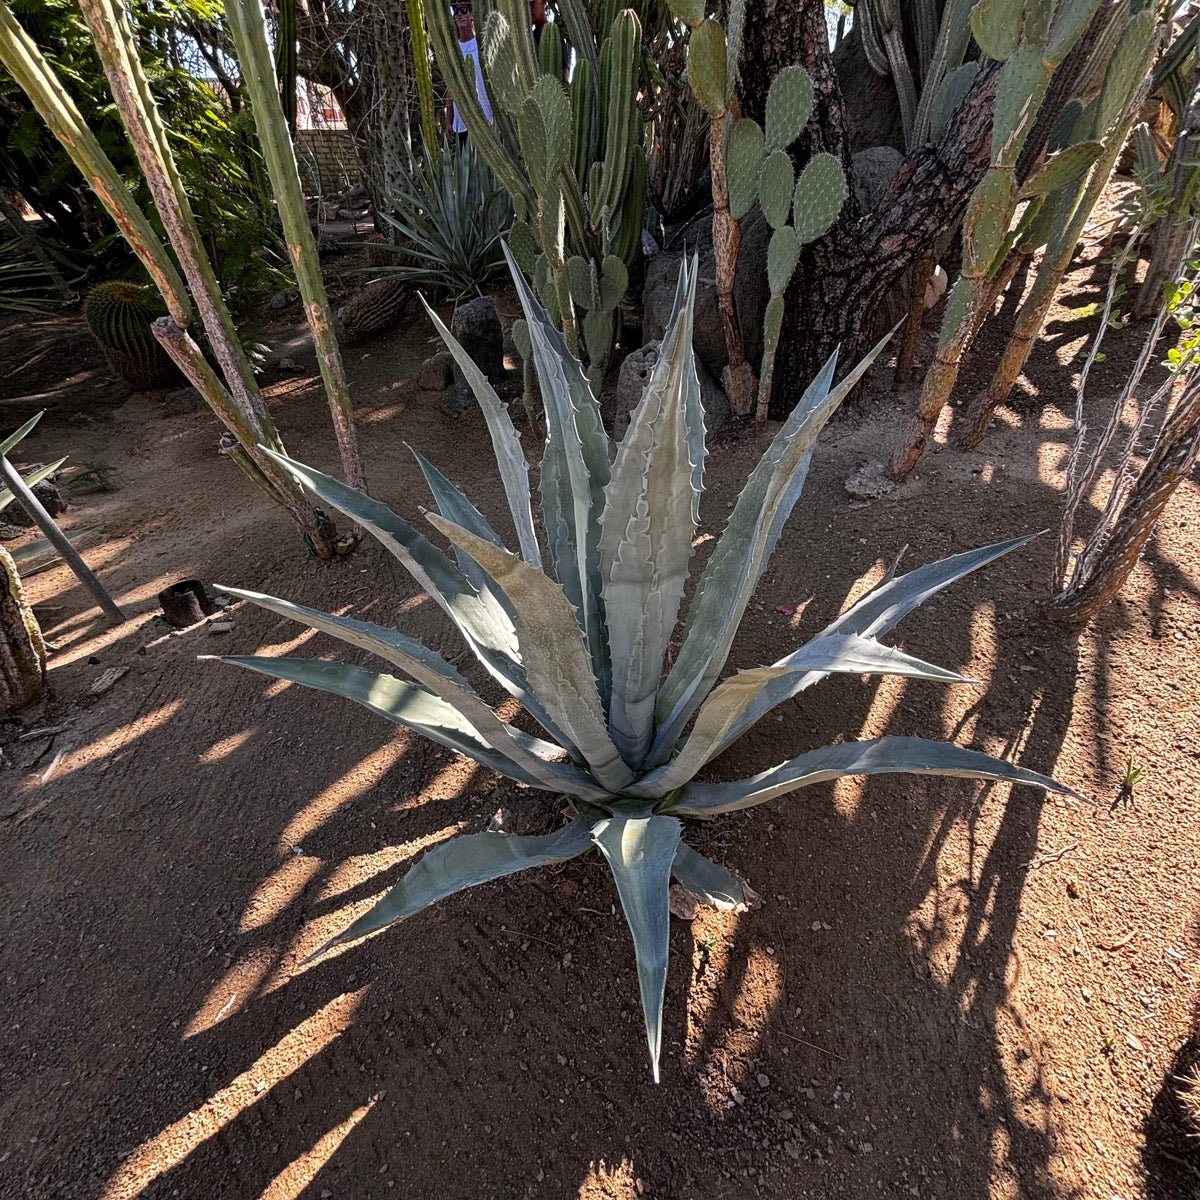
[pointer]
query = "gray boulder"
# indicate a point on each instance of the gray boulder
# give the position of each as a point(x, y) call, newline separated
point(635, 374)
point(477, 326)
point(750, 295)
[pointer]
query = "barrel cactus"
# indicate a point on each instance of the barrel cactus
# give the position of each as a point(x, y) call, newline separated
point(119, 314)
point(584, 652)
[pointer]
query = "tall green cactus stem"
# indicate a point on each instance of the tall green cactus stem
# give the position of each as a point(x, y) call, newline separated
point(1125, 88)
point(35, 77)
point(578, 176)
point(424, 75)
point(1032, 40)
point(709, 56)
point(247, 23)
point(22, 648)
point(234, 405)
point(119, 316)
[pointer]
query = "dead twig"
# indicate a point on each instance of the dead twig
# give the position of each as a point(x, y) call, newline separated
point(811, 1045)
point(1053, 856)
point(1118, 945)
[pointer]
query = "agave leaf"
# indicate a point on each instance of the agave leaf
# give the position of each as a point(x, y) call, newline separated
point(742, 554)
point(532, 755)
point(514, 470)
point(710, 882)
point(729, 703)
point(460, 863)
point(646, 536)
point(876, 756)
point(32, 479)
point(455, 506)
point(405, 704)
point(556, 660)
point(13, 438)
point(480, 616)
point(876, 613)
point(42, 545)
point(640, 852)
point(575, 472)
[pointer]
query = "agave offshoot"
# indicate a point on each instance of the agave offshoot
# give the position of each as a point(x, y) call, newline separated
point(584, 651)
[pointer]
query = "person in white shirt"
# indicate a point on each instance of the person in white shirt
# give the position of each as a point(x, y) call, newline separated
point(464, 23)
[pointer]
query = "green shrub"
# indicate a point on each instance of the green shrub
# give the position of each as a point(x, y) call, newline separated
point(585, 655)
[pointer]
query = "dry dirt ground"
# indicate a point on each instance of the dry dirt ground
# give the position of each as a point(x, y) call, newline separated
point(952, 991)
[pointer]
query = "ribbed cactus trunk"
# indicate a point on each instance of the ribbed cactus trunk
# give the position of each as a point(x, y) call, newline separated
point(1169, 465)
point(22, 651)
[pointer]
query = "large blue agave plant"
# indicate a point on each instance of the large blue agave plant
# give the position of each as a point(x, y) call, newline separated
point(584, 652)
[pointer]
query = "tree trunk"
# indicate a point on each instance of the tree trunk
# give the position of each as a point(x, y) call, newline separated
point(1169, 465)
point(22, 651)
point(833, 298)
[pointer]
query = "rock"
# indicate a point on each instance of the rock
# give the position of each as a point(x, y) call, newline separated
point(631, 383)
point(183, 400)
point(53, 501)
point(750, 295)
point(284, 299)
point(869, 481)
point(327, 210)
point(477, 327)
point(873, 172)
point(436, 373)
point(289, 364)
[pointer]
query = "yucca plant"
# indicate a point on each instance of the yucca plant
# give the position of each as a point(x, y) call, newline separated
point(585, 654)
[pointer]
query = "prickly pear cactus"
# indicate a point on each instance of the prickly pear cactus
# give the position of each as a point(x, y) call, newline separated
point(119, 315)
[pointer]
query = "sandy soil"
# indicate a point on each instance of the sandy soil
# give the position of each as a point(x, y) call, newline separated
point(951, 991)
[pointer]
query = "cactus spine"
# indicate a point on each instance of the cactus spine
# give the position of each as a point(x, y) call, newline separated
point(1031, 39)
point(119, 315)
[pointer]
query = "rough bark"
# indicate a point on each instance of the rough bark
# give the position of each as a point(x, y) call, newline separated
point(22, 651)
point(832, 300)
point(1169, 465)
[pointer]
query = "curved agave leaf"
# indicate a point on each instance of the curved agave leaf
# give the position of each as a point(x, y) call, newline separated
point(454, 506)
point(479, 616)
point(42, 545)
point(640, 853)
point(575, 472)
point(405, 704)
point(460, 863)
point(532, 755)
point(880, 610)
point(843, 654)
point(875, 756)
point(514, 470)
point(32, 479)
point(13, 438)
point(710, 882)
point(646, 535)
point(552, 648)
point(741, 555)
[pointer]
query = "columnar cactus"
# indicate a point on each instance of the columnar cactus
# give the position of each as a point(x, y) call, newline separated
point(712, 76)
point(118, 315)
point(1031, 38)
point(577, 173)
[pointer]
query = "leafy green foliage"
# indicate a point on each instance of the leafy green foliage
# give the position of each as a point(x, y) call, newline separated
point(588, 655)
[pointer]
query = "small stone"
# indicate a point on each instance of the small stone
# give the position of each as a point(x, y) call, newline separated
point(284, 299)
point(764, 1081)
point(220, 627)
point(436, 373)
point(289, 364)
point(869, 481)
